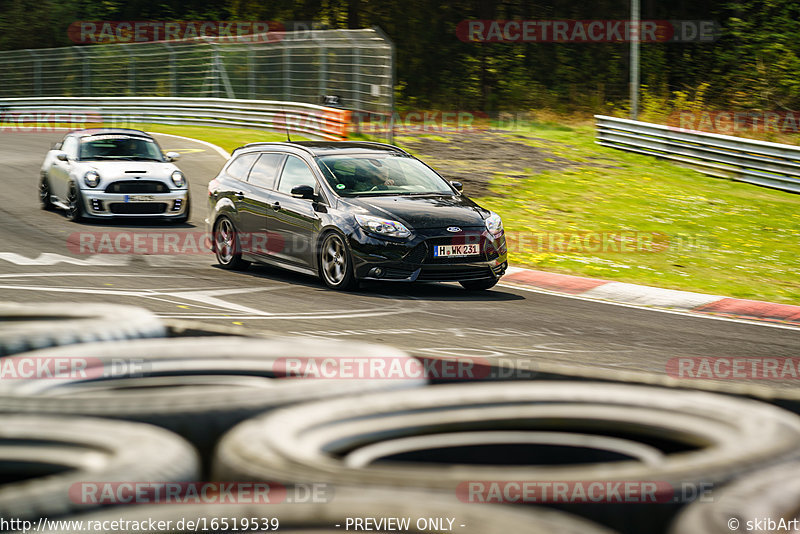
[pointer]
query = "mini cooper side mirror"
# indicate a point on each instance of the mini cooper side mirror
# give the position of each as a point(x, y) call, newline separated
point(458, 186)
point(303, 191)
point(62, 156)
point(172, 156)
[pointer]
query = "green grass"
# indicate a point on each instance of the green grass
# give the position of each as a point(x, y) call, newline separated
point(724, 237)
point(226, 138)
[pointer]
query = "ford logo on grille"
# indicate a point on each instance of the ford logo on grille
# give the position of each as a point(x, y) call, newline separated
point(453, 229)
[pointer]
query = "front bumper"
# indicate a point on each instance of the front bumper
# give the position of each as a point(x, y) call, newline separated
point(102, 204)
point(412, 260)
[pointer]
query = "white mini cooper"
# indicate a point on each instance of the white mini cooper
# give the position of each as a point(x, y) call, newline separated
point(107, 172)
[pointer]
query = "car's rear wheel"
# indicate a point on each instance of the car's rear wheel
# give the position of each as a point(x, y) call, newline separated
point(478, 285)
point(44, 193)
point(74, 207)
point(227, 247)
point(335, 263)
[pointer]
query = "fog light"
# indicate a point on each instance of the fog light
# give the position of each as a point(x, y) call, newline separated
point(176, 206)
point(375, 272)
point(97, 205)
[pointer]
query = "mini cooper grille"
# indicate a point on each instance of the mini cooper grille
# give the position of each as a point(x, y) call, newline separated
point(137, 186)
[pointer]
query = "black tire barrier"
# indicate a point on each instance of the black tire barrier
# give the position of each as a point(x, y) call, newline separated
point(423, 513)
point(748, 504)
point(46, 459)
point(197, 387)
point(676, 440)
point(25, 327)
point(527, 368)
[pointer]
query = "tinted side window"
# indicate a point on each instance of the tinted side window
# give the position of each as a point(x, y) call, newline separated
point(295, 173)
point(240, 166)
point(265, 170)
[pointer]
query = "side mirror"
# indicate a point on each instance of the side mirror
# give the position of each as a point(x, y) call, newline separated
point(303, 191)
point(62, 156)
point(458, 186)
point(172, 156)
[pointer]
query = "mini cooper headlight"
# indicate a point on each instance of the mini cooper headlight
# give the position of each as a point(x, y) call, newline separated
point(494, 224)
point(380, 226)
point(91, 178)
point(178, 179)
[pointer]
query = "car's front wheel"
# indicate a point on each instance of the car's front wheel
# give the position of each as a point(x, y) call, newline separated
point(336, 263)
point(45, 193)
point(74, 203)
point(227, 247)
point(478, 285)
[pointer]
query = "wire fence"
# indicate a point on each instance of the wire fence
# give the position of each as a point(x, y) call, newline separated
point(354, 65)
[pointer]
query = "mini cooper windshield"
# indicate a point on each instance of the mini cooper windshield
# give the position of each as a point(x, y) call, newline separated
point(119, 147)
point(365, 175)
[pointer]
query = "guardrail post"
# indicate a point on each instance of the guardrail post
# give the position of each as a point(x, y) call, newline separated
point(37, 73)
point(87, 71)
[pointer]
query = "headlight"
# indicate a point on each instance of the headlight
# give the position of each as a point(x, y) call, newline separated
point(91, 178)
point(380, 226)
point(494, 224)
point(178, 179)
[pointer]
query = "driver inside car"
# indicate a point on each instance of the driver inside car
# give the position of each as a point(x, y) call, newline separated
point(370, 177)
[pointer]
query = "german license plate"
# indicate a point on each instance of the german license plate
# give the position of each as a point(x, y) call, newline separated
point(445, 251)
point(139, 198)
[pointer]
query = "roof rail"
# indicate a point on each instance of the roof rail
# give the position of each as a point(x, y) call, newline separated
point(272, 143)
point(383, 144)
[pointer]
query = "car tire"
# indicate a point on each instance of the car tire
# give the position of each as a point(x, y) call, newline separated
point(196, 387)
point(44, 193)
point(227, 246)
point(327, 508)
point(768, 493)
point(46, 460)
point(25, 327)
point(335, 262)
point(693, 436)
point(479, 285)
point(74, 203)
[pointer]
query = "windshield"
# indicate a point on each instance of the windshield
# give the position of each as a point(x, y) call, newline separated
point(363, 175)
point(119, 147)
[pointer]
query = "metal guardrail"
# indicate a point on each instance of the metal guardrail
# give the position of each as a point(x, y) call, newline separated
point(307, 119)
point(772, 165)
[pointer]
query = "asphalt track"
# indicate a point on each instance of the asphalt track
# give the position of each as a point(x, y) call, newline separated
point(36, 265)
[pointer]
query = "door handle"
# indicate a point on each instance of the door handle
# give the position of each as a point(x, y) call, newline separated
point(276, 206)
point(240, 195)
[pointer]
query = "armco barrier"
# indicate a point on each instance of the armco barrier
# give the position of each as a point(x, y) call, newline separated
point(305, 119)
point(746, 160)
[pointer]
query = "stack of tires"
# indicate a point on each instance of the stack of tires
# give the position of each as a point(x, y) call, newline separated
point(115, 401)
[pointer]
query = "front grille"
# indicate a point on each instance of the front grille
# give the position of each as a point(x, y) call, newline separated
point(454, 275)
point(138, 208)
point(137, 186)
point(417, 254)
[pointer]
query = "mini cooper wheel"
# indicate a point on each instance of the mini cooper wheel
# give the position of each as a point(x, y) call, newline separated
point(44, 193)
point(227, 247)
point(335, 263)
point(478, 285)
point(74, 203)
